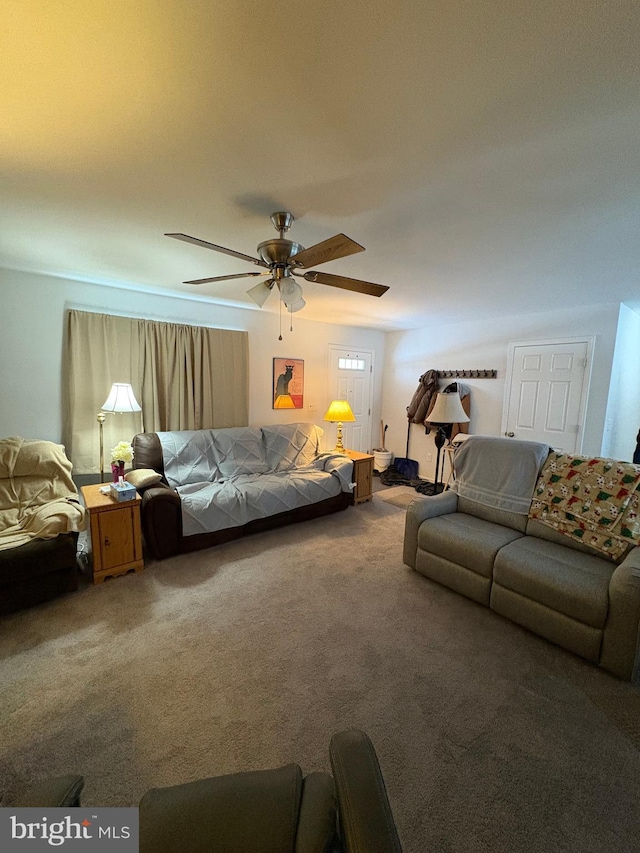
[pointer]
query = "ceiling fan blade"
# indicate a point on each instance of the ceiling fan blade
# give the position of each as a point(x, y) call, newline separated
point(335, 247)
point(197, 242)
point(354, 284)
point(224, 277)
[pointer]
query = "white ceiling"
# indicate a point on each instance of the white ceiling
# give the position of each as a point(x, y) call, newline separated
point(486, 154)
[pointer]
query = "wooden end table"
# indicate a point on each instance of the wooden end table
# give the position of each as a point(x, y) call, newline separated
point(362, 475)
point(116, 537)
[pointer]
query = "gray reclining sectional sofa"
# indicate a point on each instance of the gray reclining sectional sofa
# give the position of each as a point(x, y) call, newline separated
point(551, 584)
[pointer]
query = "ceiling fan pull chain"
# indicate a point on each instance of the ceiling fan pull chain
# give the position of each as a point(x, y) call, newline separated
point(280, 312)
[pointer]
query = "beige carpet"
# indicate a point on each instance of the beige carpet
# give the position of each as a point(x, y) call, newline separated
point(252, 654)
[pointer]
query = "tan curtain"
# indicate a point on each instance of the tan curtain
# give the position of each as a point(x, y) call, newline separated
point(184, 377)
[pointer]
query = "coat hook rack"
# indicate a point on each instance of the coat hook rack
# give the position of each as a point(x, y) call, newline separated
point(468, 374)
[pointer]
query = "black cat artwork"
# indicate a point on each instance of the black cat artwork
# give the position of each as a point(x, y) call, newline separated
point(288, 383)
point(282, 384)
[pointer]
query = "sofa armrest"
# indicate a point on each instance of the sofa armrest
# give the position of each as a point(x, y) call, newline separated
point(621, 638)
point(161, 521)
point(366, 820)
point(420, 510)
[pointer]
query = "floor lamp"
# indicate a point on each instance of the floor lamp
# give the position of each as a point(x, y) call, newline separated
point(121, 399)
point(446, 411)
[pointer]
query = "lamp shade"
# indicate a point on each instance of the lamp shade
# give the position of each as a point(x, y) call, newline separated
point(339, 411)
point(121, 399)
point(293, 307)
point(260, 292)
point(448, 410)
point(290, 290)
point(284, 401)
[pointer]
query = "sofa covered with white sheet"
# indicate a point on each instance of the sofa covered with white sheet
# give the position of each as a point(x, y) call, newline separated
point(220, 484)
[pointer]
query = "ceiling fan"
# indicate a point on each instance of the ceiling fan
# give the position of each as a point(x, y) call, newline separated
point(285, 259)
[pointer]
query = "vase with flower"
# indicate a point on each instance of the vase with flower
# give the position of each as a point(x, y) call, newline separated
point(120, 455)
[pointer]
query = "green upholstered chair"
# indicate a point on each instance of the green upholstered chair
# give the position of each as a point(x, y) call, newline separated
point(278, 811)
point(262, 811)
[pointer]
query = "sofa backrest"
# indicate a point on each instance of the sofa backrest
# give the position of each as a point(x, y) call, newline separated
point(192, 456)
point(496, 478)
point(188, 456)
point(514, 520)
point(239, 450)
point(290, 446)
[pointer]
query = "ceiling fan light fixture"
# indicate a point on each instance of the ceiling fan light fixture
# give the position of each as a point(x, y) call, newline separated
point(290, 290)
point(294, 307)
point(260, 292)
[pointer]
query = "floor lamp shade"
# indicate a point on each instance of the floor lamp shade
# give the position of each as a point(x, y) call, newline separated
point(446, 410)
point(121, 399)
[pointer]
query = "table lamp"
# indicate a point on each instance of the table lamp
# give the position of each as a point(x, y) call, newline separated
point(121, 399)
point(338, 412)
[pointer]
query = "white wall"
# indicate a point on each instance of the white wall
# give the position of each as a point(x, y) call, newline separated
point(623, 407)
point(483, 345)
point(31, 337)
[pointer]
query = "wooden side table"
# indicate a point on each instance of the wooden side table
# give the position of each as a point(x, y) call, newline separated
point(362, 475)
point(116, 537)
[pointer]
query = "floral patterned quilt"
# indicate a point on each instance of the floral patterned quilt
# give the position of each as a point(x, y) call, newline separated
point(592, 500)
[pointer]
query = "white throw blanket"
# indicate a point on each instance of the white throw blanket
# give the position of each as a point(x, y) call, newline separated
point(499, 472)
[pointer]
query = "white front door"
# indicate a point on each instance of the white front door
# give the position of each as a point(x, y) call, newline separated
point(350, 379)
point(546, 392)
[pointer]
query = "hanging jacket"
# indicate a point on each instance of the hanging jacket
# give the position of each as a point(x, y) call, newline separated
point(424, 397)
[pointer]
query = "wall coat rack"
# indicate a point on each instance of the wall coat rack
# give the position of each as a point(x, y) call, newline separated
point(468, 374)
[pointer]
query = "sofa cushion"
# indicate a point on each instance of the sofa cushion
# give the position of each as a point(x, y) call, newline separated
point(253, 811)
point(208, 507)
point(560, 578)
point(239, 450)
point(514, 520)
point(543, 531)
point(466, 540)
point(188, 456)
point(142, 478)
point(291, 445)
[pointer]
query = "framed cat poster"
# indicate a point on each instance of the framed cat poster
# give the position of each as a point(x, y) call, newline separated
point(288, 383)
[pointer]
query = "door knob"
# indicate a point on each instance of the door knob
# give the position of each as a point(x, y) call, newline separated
point(509, 434)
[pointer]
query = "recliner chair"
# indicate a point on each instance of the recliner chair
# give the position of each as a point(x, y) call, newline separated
point(278, 811)
point(267, 811)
